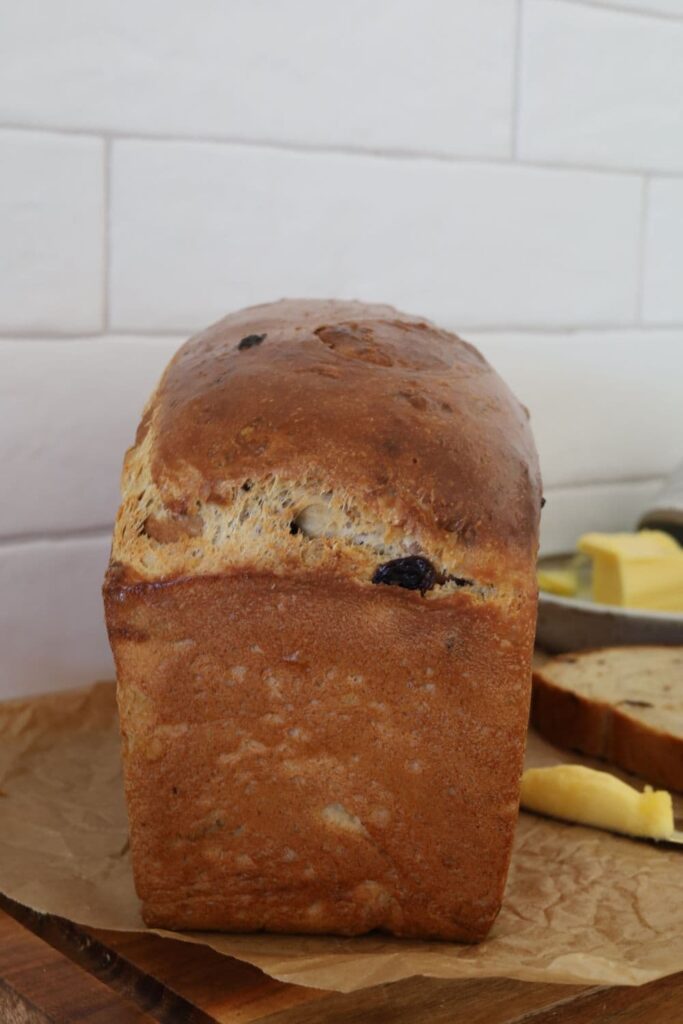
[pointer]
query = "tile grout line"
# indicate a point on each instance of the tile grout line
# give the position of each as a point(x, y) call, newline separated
point(11, 540)
point(564, 329)
point(560, 329)
point(368, 152)
point(106, 231)
point(172, 334)
point(182, 334)
point(585, 485)
point(640, 12)
point(517, 83)
point(642, 246)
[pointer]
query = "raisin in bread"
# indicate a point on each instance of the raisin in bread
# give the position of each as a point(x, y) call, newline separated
point(622, 704)
point(321, 601)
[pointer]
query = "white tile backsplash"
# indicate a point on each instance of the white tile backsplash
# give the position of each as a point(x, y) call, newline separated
point(51, 232)
point(601, 87)
point(511, 168)
point(672, 8)
point(70, 410)
point(394, 74)
point(472, 244)
point(663, 285)
point(571, 511)
point(604, 405)
point(51, 617)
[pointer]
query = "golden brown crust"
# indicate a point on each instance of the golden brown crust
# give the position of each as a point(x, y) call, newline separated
point(602, 730)
point(389, 406)
point(404, 421)
point(320, 756)
point(305, 750)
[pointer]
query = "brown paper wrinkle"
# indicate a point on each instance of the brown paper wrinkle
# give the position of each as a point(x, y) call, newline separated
point(581, 906)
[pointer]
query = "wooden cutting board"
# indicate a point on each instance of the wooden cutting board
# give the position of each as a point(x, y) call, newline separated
point(54, 971)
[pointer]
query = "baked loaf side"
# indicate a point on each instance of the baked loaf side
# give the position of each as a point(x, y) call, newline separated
point(621, 704)
point(321, 602)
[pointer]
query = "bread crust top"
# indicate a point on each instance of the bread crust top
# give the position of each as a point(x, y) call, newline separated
point(365, 432)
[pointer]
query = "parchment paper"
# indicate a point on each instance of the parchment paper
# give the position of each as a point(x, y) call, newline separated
point(581, 905)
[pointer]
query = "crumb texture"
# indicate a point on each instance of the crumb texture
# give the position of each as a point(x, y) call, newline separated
point(644, 683)
point(621, 704)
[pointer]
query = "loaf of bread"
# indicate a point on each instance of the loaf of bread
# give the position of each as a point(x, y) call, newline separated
point(621, 704)
point(321, 601)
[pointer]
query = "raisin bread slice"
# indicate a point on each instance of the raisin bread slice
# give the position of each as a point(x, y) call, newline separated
point(621, 704)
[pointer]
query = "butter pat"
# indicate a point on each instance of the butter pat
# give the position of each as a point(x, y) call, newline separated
point(588, 797)
point(636, 570)
point(558, 581)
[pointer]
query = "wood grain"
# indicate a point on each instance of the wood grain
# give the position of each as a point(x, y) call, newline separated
point(52, 971)
point(78, 945)
point(230, 991)
point(38, 984)
point(660, 1002)
point(223, 988)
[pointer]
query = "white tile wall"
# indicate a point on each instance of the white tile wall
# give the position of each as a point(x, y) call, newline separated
point(673, 8)
point(73, 407)
point(570, 511)
point(663, 287)
point(396, 74)
point(512, 168)
point(51, 242)
point(601, 87)
point(51, 618)
point(625, 389)
point(225, 226)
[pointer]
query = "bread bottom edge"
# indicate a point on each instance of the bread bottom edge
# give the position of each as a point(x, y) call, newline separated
point(169, 921)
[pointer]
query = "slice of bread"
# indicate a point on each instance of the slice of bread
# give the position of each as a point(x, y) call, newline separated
point(621, 704)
